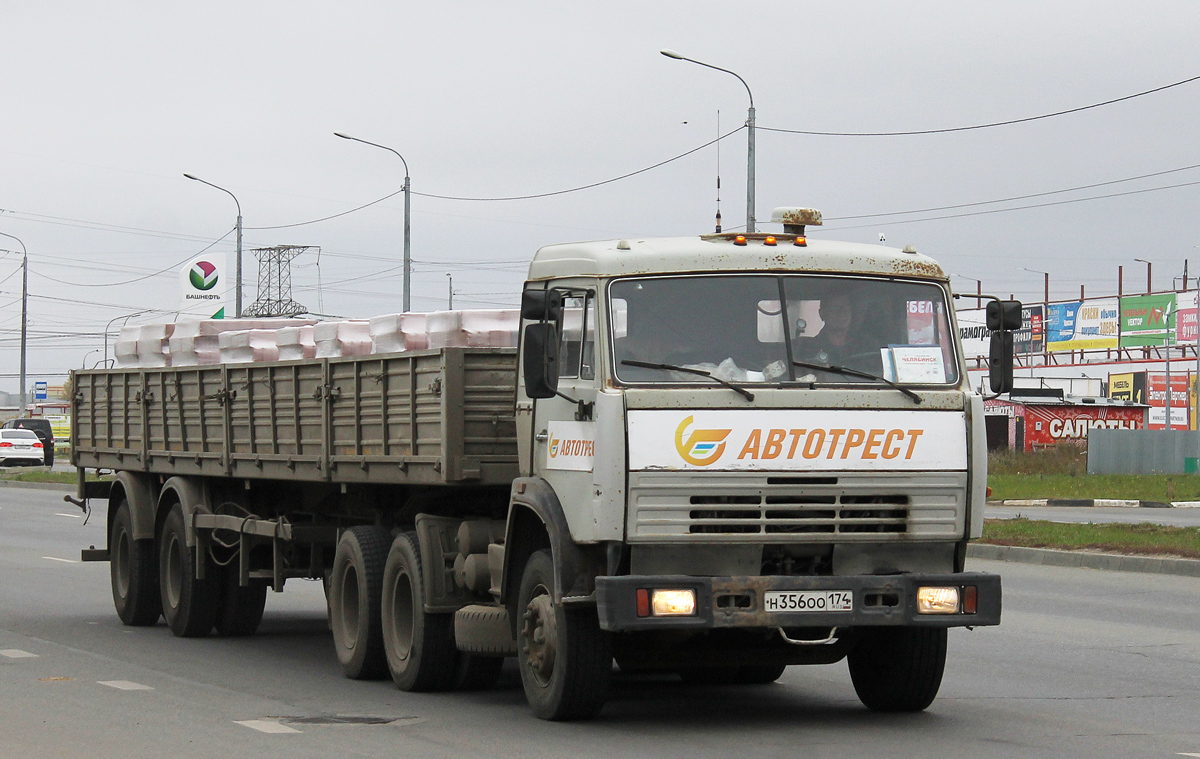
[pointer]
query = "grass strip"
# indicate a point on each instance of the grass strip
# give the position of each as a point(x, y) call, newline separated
point(1144, 538)
point(44, 476)
point(1136, 487)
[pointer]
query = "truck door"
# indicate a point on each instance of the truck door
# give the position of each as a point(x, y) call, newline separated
point(564, 427)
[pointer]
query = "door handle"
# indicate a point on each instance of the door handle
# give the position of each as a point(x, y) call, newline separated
point(542, 436)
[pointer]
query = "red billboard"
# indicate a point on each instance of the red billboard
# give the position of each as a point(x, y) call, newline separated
point(1046, 426)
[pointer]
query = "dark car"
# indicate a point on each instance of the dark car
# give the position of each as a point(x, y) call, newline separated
point(41, 428)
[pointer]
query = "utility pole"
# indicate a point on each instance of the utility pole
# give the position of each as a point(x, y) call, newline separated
point(24, 312)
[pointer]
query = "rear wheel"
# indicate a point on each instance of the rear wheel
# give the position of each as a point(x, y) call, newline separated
point(134, 572)
point(564, 656)
point(188, 603)
point(354, 597)
point(898, 669)
point(419, 645)
point(240, 610)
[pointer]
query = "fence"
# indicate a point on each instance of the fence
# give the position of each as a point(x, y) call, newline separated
point(1142, 451)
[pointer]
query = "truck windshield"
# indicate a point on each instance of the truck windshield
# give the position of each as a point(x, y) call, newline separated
point(754, 328)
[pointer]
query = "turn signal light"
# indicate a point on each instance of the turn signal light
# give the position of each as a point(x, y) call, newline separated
point(970, 599)
point(739, 240)
point(937, 600)
point(769, 241)
point(643, 602)
point(800, 241)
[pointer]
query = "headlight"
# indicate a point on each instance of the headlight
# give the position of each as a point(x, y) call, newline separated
point(937, 600)
point(673, 603)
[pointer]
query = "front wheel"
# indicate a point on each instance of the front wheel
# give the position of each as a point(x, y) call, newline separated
point(898, 669)
point(564, 657)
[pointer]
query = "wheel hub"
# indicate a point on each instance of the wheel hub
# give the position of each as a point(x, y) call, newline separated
point(540, 635)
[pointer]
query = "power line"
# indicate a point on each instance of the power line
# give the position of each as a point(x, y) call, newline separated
point(334, 216)
point(593, 184)
point(137, 279)
point(1014, 197)
point(989, 125)
point(1027, 207)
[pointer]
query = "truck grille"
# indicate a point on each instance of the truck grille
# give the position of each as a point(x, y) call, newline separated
point(741, 507)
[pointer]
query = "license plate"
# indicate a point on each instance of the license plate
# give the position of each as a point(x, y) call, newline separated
point(808, 600)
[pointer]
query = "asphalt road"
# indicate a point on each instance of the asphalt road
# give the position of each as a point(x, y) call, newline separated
point(1086, 664)
point(1084, 514)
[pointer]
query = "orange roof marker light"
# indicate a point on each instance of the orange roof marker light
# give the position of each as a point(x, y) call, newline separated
point(739, 240)
point(770, 240)
point(800, 241)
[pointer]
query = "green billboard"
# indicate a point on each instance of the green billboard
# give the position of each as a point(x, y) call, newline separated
point(1147, 320)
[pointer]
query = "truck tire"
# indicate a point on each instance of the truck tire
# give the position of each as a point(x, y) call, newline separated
point(134, 572)
point(420, 646)
point(564, 657)
point(188, 604)
point(240, 609)
point(898, 669)
point(355, 591)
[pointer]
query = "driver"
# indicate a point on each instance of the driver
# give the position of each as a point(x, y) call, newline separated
point(841, 338)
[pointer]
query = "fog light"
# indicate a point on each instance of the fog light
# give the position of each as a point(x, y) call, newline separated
point(673, 603)
point(937, 600)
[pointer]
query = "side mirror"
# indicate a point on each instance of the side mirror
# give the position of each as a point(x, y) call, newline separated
point(1003, 315)
point(541, 359)
point(1000, 361)
point(542, 305)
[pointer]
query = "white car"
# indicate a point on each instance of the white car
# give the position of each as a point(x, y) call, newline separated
point(21, 448)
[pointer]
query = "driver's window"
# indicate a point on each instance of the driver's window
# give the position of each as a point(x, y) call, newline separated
point(578, 349)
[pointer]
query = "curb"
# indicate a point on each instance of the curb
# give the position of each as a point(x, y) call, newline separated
point(1109, 561)
point(64, 487)
point(1100, 503)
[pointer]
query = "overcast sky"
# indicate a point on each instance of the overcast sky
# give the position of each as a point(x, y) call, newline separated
point(106, 105)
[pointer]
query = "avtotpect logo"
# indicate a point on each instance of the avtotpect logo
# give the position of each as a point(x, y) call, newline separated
point(203, 275)
point(702, 447)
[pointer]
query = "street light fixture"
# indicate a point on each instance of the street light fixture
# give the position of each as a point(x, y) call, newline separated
point(239, 238)
point(24, 310)
point(407, 236)
point(749, 133)
point(978, 282)
point(1149, 268)
point(1046, 282)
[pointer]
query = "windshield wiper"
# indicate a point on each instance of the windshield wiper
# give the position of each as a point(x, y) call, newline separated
point(856, 373)
point(671, 367)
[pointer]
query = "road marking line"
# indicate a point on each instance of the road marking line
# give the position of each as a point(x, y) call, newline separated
point(124, 685)
point(73, 516)
point(1187, 754)
point(65, 561)
point(16, 653)
point(265, 726)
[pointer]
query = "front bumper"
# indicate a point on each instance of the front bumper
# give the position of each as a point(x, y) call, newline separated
point(737, 602)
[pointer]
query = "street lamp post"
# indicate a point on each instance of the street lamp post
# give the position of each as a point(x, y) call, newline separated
point(407, 228)
point(449, 291)
point(239, 239)
point(24, 311)
point(1045, 310)
point(978, 282)
point(1166, 344)
point(749, 134)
